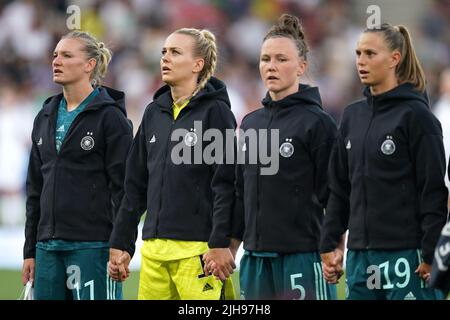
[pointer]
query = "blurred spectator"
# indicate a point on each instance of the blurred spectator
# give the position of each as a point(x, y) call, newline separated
point(16, 121)
point(442, 112)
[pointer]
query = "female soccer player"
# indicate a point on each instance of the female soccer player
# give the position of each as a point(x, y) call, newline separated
point(188, 199)
point(386, 176)
point(81, 138)
point(278, 214)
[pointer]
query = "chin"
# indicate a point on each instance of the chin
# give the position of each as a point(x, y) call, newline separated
point(273, 88)
point(59, 81)
point(366, 82)
point(167, 80)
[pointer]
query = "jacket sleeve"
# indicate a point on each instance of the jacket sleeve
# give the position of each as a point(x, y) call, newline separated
point(322, 142)
point(427, 151)
point(119, 136)
point(338, 207)
point(222, 183)
point(33, 188)
point(134, 201)
point(238, 220)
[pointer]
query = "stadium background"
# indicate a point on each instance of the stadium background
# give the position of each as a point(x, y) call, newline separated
point(135, 30)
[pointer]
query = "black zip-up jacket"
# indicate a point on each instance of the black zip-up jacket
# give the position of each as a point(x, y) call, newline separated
point(183, 201)
point(283, 212)
point(75, 194)
point(387, 175)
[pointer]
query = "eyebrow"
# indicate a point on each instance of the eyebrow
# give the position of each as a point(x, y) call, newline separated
point(171, 48)
point(365, 50)
point(277, 55)
point(63, 51)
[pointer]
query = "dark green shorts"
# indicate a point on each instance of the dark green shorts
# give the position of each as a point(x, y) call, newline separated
point(386, 275)
point(289, 276)
point(74, 275)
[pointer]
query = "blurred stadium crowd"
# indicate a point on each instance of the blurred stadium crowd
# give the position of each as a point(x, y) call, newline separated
point(135, 30)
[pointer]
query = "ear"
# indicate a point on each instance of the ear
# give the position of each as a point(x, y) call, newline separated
point(199, 63)
point(90, 65)
point(301, 69)
point(396, 56)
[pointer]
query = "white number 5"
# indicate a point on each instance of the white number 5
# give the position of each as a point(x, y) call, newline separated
point(297, 286)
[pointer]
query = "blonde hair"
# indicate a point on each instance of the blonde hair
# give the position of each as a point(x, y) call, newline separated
point(94, 50)
point(409, 69)
point(205, 47)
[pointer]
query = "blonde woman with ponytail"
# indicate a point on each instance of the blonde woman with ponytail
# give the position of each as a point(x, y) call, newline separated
point(80, 141)
point(188, 201)
point(386, 177)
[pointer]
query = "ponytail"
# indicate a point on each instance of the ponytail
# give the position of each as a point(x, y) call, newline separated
point(409, 69)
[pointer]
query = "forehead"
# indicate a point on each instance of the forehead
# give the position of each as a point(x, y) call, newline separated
point(179, 40)
point(279, 45)
point(371, 40)
point(69, 44)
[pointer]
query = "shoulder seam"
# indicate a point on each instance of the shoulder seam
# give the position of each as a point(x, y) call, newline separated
point(250, 113)
point(423, 133)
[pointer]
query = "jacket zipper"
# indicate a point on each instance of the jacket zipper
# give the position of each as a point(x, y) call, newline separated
point(54, 191)
point(51, 126)
point(164, 161)
point(258, 184)
point(163, 171)
point(71, 129)
point(366, 227)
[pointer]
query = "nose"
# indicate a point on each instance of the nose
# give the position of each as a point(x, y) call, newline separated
point(165, 58)
point(360, 60)
point(56, 61)
point(271, 66)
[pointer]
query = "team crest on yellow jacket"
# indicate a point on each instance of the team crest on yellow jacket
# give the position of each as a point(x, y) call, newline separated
point(388, 146)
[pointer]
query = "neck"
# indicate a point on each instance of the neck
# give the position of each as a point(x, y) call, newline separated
point(383, 87)
point(276, 96)
point(180, 92)
point(75, 94)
